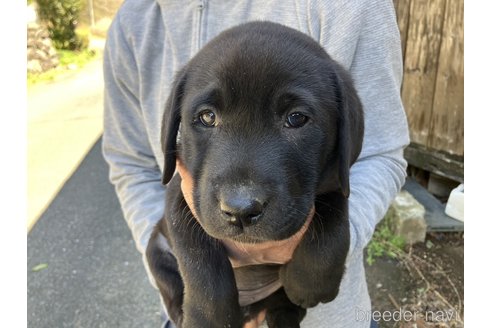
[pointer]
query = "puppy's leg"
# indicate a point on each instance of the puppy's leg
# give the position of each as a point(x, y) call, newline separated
point(210, 292)
point(318, 263)
point(281, 312)
point(164, 268)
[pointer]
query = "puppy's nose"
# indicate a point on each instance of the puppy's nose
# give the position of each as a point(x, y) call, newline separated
point(240, 210)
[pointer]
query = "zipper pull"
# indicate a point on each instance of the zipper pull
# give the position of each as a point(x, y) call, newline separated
point(201, 5)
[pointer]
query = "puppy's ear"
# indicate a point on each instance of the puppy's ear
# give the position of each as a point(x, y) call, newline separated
point(170, 126)
point(350, 127)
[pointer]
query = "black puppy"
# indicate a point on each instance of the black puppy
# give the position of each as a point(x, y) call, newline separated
point(269, 126)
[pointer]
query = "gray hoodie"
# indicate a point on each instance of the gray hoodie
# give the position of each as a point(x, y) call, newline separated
point(150, 40)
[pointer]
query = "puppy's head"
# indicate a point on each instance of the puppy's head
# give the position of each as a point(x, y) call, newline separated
point(267, 121)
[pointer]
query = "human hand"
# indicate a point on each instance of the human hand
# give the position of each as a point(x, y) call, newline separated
point(186, 185)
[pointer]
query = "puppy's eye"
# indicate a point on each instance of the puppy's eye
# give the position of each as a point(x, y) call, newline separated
point(208, 118)
point(295, 120)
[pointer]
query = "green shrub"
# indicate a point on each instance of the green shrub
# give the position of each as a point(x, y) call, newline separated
point(61, 17)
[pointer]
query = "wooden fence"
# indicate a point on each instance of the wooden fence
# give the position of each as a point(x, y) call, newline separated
point(432, 91)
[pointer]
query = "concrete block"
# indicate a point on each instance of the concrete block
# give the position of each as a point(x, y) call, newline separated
point(406, 218)
point(455, 207)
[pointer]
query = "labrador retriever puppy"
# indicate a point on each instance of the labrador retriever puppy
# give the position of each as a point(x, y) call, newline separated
point(267, 125)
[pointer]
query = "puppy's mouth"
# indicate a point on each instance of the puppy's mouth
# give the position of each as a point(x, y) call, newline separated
point(243, 252)
point(247, 220)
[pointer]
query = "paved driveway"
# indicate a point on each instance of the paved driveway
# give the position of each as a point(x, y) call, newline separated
point(94, 275)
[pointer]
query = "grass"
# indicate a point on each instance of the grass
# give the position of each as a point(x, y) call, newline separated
point(77, 58)
point(384, 243)
point(70, 61)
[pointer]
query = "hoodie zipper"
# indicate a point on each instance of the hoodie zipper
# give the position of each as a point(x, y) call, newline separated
point(201, 8)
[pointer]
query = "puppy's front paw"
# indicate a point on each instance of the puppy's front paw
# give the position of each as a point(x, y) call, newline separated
point(308, 286)
point(201, 309)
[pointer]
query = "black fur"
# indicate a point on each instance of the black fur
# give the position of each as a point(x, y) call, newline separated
point(252, 77)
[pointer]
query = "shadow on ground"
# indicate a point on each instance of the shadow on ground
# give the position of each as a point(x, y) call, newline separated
point(93, 275)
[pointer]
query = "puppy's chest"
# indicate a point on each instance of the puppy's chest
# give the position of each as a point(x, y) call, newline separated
point(256, 282)
point(256, 270)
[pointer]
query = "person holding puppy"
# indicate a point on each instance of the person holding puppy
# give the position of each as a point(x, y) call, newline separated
point(150, 40)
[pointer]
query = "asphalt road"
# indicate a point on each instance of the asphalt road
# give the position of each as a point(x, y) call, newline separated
point(94, 275)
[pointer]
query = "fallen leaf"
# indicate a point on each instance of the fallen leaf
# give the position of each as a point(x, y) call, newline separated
point(40, 267)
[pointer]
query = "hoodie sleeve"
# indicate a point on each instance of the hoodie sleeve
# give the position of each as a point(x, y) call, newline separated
point(126, 147)
point(379, 173)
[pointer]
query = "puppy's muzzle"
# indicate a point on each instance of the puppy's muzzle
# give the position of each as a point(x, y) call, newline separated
point(242, 207)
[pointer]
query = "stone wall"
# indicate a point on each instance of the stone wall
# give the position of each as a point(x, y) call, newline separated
point(41, 55)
